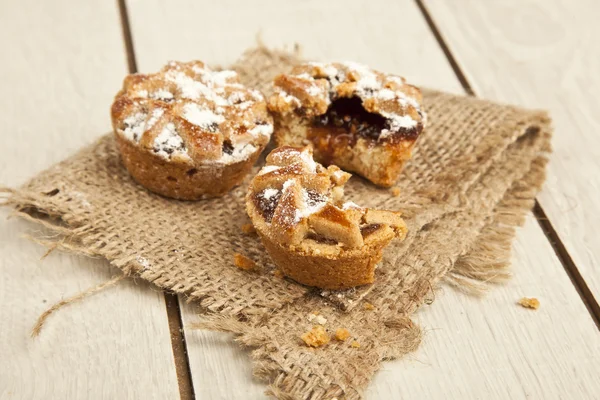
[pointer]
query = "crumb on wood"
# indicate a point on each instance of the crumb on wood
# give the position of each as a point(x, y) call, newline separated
point(243, 262)
point(395, 191)
point(369, 307)
point(316, 337)
point(278, 274)
point(341, 334)
point(530, 302)
point(248, 228)
point(355, 344)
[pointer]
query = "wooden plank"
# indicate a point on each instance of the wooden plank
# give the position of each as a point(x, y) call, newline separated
point(543, 53)
point(62, 63)
point(495, 349)
point(217, 32)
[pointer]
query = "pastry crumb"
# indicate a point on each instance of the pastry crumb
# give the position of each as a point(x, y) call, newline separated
point(278, 274)
point(369, 307)
point(355, 344)
point(341, 334)
point(248, 228)
point(530, 302)
point(319, 319)
point(395, 191)
point(243, 262)
point(316, 337)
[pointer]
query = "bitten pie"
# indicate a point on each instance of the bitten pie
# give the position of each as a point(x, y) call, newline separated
point(188, 132)
point(314, 237)
point(357, 118)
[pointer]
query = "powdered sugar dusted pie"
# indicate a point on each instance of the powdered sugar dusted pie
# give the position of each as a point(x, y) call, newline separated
point(188, 132)
point(311, 234)
point(357, 118)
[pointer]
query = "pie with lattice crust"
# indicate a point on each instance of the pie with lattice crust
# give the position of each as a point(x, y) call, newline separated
point(188, 132)
point(359, 119)
point(312, 235)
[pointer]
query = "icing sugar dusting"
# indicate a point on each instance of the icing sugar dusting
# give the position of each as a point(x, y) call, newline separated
point(239, 153)
point(308, 161)
point(350, 204)
point(268, 168)
point(204, 118)
point(269, 192)
point(310, 205)
point(135, 125)
point(266, 130)
point(168, 142)
point(193, 89)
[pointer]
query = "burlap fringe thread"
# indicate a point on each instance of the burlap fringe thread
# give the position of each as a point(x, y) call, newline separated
point(473, 178)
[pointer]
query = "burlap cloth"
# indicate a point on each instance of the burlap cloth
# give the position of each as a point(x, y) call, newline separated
point(473, 176)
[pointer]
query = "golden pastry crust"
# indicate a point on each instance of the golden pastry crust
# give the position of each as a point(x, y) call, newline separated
point(315, 238)
point(188, 132)
point(357, 118)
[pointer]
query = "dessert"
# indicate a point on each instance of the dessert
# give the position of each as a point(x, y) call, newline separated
point(359, 119)
point(188, 132)
point(311, 234)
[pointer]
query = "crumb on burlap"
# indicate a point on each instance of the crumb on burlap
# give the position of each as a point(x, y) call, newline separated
point(395, 191)
point(278, 274)
point(248, 228)
point(341, 334)
point(243, 262)
point(319, 319)
point(530, 302)
point(369, 307)
point(355, 344)
point(316, 337)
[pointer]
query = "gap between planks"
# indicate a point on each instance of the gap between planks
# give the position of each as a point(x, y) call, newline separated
point(559, 248)
point(178, 345)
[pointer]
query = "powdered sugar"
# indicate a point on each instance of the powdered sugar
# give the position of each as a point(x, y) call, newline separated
point(269, 192)
point(156, 114)
point(162, 94)
point(240, 153)
point(350, 204)
point(288, 98)
point(169, 143)
point(386, 94)
point(203, 117)
point(308, 160)
point(265, 130)
point(135, 125)
point(310, 205)
point(268, 168)
point(192, 89)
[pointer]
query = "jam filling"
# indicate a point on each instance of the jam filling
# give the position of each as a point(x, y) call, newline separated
point(348, 116)
point(369, 229)
point(266, 203)
point(320, 238)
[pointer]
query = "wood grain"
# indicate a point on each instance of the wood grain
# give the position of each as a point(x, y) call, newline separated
point(62, 63)
point(488, 348)
point(543, 54)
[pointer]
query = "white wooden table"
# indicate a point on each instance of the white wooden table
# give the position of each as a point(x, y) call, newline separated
point(64, 60)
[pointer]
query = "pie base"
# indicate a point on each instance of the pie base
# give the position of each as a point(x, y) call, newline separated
point(182, 180)
point(343, 270)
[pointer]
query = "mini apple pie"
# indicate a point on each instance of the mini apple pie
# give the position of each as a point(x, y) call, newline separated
point(314, 237)
point(359, 119)
point(188, 132)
